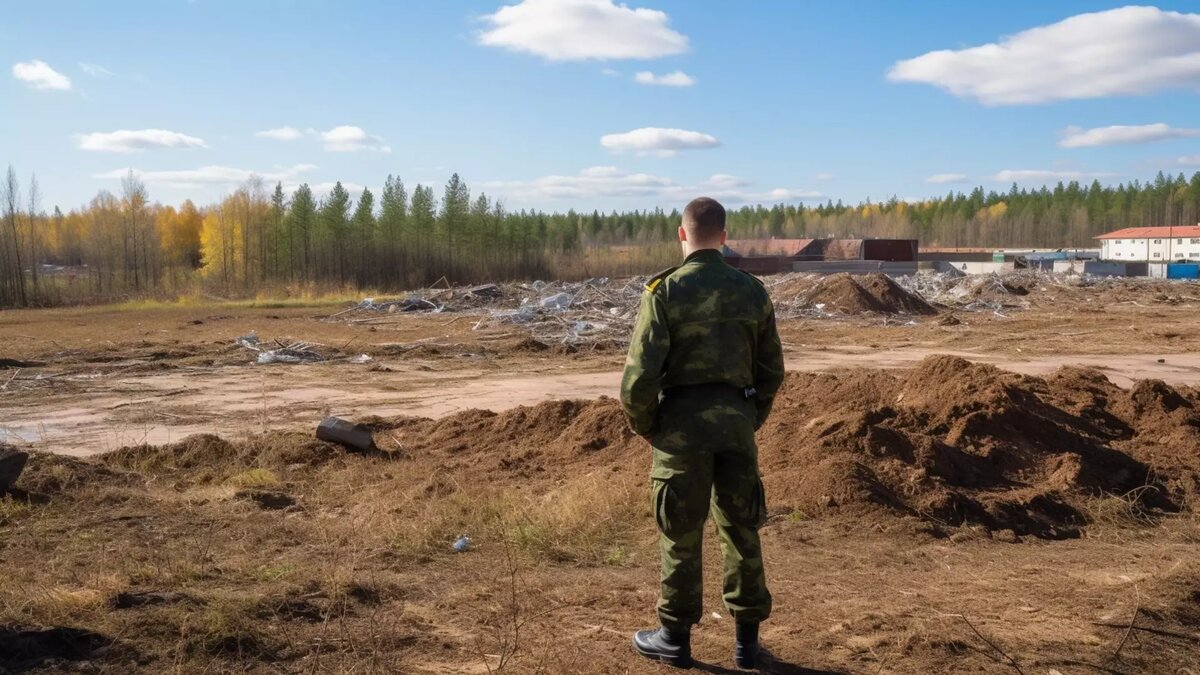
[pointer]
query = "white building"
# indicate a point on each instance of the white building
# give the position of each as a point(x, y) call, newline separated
point(1152, 244)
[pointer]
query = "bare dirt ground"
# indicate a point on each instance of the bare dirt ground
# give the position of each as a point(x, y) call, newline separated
point(926, 513)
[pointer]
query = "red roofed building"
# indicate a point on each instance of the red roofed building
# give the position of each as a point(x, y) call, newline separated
point(1152, 244)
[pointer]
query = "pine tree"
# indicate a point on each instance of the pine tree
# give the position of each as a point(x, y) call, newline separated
point(392, 228)
point(363, 226)
point(301, 223)
point(456, 206)
point(334, 219)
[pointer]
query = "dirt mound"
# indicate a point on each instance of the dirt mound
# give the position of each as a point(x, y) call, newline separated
point(206, 458)
point(951, 442)
point(48, 476)
point(958, 442)
point(527, 440)
point(874, 293)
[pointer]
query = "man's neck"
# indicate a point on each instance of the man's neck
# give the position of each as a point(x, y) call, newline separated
point(689, 249)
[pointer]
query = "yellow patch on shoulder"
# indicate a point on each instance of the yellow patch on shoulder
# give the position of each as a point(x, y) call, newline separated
point(653, 284)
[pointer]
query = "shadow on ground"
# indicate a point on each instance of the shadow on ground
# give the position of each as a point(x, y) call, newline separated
point(769, 665)
point(23, 649)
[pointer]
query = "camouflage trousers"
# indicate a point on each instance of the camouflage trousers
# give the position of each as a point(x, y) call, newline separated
point(704, 453)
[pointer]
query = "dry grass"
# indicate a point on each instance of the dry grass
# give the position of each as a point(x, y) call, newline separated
point(359, 577)
point(586, 521)
point(254, 478)
point(1121, 511)
point(12, 508)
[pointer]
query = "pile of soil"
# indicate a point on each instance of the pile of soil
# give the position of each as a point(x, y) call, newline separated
point(553, 437)
point(955, 442)
point(207, 458)
point(949, 442)
point(874, 293)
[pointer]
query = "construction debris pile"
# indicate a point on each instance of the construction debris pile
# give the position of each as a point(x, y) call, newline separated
point(980, 293)
point(601, 311)
point(587, 313)
point(591, 312)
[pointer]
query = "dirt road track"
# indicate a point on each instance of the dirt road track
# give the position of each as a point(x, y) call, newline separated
point(238, 400)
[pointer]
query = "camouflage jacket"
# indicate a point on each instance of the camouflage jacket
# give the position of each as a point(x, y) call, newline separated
point(702, 323)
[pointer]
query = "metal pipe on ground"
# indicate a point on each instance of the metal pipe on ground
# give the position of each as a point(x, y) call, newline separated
point(353, 436)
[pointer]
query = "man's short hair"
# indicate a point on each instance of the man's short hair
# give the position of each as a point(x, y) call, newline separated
point(704, 219)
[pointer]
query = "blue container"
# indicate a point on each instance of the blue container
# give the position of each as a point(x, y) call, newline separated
point(1183, 271)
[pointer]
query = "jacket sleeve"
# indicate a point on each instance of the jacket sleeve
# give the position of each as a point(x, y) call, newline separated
point(768, 371)
point(644, 365)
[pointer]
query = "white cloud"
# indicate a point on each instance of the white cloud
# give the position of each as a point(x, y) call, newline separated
point(610, 72)
point(1190, 160)
point(824, 176)
point(280, 134)
point(208, 175)
point(1043, 175)
point(578, 30)
point(94, 69)
point(40, 75)
point(724, 181)
point(940, 178)
point(675, 79)
point(1076, 137)
point(348, 138)
point(1130, 50)
point(128, 141)
point(606, 182)
point(658, 141)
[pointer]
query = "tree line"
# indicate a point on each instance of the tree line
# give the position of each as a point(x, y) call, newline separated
point(264, 239)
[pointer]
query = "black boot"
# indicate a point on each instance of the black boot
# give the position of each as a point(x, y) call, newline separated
point(671, 646)
point(745, 649)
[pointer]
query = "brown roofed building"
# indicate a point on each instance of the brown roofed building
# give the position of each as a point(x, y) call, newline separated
point(771, 256)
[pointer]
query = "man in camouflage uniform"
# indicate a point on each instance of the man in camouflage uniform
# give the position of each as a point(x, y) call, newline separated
point(704, 364)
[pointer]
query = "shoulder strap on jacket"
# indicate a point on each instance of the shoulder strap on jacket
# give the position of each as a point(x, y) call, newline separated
point(656, 280)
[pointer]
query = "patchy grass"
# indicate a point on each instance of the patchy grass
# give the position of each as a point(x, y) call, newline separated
point(584, 521)
point(1120, 511)
point(255, 478)
point(276, 299)
point(12, 509)
point(227, 627)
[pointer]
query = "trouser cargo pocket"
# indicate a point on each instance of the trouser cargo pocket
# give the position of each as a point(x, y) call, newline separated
point(666, 505)
point(677, 512)
point(758, 505)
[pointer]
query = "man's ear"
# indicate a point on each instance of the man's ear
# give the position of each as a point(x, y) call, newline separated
point(723, 235)
point(682, 234)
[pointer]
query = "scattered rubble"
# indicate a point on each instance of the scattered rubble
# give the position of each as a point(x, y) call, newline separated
point(992, 292)
point(600, 312)
point(591, 312)
point(295, 352)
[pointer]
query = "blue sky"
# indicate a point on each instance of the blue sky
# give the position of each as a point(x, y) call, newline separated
point(791, 101)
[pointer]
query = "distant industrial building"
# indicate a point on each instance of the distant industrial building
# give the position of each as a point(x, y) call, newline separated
point(771, 256)
point(1152, 244)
